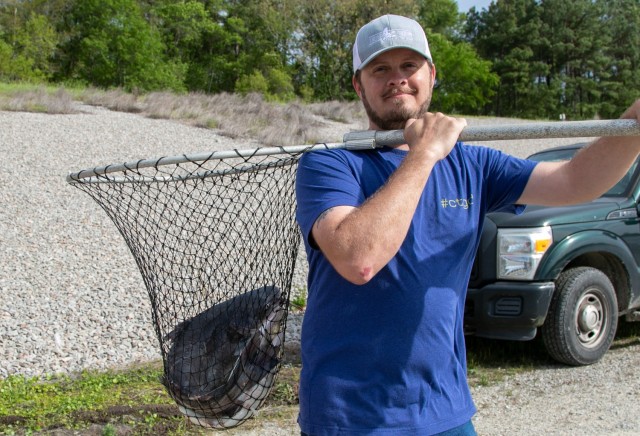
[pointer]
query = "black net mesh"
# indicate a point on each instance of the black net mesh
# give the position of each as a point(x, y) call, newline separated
point(216, 242)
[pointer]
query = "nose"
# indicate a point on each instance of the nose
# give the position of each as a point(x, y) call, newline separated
point(397, 78)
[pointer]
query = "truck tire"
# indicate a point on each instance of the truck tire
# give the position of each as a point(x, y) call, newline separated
point(582, 318)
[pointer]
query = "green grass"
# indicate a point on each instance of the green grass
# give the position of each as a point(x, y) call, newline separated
point(299, 301)
point(490, 361)
point(7, 89)
point(26, 97)
point(16, 88)
point(133, 399)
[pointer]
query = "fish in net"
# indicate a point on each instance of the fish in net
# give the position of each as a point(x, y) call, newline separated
point(222, 362)
point(215, 239)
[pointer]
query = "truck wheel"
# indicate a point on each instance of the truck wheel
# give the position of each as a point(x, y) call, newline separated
point(582, 318)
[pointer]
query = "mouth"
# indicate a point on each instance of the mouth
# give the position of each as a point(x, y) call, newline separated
point(396, 93)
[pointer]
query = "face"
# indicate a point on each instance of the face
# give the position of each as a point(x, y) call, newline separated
point(394, 87)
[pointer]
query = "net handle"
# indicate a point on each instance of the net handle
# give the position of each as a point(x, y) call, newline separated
point(565, 129)
point(368, 139)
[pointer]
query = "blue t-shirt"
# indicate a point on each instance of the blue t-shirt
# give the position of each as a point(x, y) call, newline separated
point(388, 357)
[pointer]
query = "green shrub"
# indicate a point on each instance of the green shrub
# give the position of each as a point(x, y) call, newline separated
point(280, 86)
point(254, 82)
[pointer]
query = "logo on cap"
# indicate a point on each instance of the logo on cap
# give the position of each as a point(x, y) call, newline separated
point(388, 34)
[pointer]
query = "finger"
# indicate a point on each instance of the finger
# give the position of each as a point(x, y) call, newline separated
point(409, 122)
point(633, 111)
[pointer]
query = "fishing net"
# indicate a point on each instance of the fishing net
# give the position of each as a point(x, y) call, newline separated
point(215, 239)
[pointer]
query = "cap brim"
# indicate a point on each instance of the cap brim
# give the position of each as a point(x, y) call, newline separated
point(386, 49)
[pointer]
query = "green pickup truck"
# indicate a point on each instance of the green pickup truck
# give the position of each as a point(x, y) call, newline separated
point(569, 271)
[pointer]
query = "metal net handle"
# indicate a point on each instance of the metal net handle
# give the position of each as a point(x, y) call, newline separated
point(367, 139)
point(566, 129)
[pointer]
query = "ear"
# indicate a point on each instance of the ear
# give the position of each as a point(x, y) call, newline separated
point(356, 86)
point(433, 75)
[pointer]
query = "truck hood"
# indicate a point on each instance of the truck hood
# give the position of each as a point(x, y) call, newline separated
point(535, 216)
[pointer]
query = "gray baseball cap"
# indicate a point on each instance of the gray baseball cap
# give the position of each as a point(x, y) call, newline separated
point(386, 33)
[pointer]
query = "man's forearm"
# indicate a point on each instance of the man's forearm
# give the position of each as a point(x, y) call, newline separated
point(591, 172)
point(600, 165)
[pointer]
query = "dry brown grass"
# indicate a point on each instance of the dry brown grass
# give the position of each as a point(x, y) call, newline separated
point(114, 99)
point(231, 115)
point(343, 112)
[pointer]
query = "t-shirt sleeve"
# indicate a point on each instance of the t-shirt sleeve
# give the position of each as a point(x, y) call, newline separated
point(507, 176)
point(325, 179)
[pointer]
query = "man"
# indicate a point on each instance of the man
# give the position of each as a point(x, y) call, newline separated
point(382, 340)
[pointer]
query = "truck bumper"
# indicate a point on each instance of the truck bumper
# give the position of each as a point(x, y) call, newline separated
point(507, 310)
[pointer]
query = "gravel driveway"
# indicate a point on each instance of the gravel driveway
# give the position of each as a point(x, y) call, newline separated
point(72, 298)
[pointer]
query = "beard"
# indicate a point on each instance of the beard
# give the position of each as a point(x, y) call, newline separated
point(395, 118)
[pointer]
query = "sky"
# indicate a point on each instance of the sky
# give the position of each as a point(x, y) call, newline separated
point(465, 5)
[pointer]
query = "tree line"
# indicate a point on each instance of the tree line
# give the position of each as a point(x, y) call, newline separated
point(526, 58)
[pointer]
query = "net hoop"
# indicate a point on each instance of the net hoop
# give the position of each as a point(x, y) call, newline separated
point(106, 178)
point(93, 175)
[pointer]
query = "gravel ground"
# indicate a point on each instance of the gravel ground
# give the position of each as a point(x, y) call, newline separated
point(71, 297)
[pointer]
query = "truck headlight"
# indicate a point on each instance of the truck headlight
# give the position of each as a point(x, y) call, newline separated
point(520, 251)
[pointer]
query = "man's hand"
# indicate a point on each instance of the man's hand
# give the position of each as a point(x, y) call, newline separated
point(633, 112)
point(434, 135)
